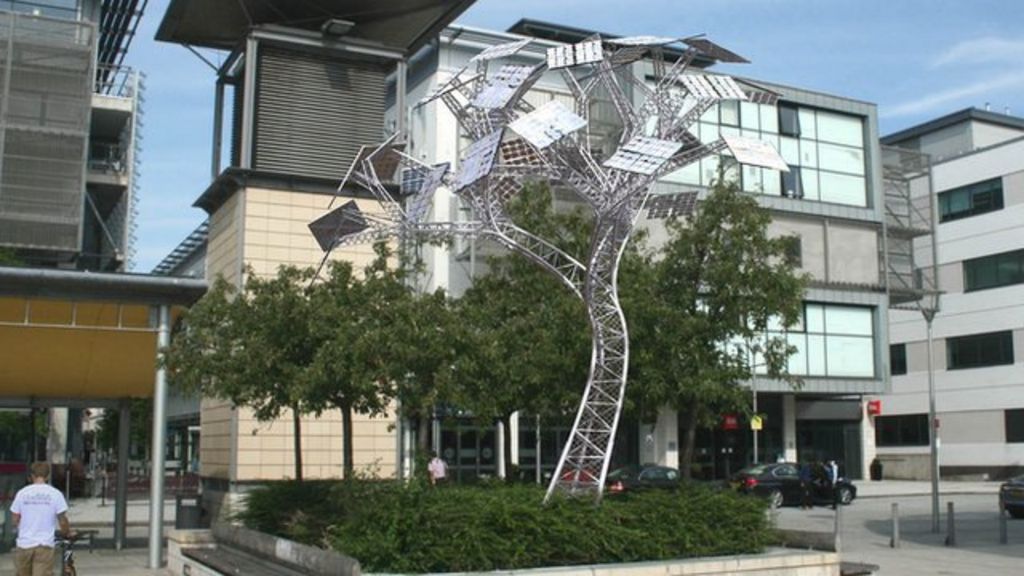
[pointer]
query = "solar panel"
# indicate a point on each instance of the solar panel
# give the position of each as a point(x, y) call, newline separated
point(712, 87)
point(586, 52)
point(642, 41)
point(502, 87)
point(479, 160)
point(518, 153)
point(709, 48)
point(337, 224)
point(430, 180)
point(547, 124)
point(643, 155)
point(664, 206)
point(501, 50)
point(755, 153)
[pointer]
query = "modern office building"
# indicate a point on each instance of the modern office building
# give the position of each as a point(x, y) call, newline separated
point(977, 185)
point(69, 132)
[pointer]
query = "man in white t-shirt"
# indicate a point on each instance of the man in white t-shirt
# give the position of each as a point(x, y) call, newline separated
point(438, 469)
point(37, 511)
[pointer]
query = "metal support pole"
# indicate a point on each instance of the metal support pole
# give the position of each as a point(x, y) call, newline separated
point(156, 475)
point(401, 114)
point(537, 446)
point(218, 129)
point(950, 525)
point(933, 430)
point(499, 438)
point(895, 541)
point(248, 102)
point(124, 423)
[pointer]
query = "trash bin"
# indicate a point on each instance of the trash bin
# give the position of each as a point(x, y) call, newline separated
point(188, 512)
point(876, 469)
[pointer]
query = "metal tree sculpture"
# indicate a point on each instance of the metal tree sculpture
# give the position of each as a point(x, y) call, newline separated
point(514, 143)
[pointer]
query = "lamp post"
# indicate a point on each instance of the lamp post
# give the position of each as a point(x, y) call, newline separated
point(933, 429)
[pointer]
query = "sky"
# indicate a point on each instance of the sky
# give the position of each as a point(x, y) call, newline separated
point(916, 59)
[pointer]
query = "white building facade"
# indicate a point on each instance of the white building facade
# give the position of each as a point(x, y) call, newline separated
point(978, 333)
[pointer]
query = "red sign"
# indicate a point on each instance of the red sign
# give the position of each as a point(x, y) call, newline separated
point(874, 407)
point(730, 422)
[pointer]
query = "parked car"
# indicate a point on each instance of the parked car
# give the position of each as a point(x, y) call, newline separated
point(1011, 496)
point(629, 478)
point(780, 483)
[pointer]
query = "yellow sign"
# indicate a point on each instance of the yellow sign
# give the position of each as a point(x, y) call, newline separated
point(756, 423)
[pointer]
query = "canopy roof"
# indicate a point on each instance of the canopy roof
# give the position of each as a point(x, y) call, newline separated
point(402, 24)
point(82, 336)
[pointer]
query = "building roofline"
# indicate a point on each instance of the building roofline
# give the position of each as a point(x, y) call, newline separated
point(233, 179)
point(949, 120)
point(183, 251)
point(105, 287)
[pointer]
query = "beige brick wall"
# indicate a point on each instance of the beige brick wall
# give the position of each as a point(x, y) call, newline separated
point(270, 228)
point(215, 448)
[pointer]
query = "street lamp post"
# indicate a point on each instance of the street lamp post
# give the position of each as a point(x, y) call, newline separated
point(933, 429)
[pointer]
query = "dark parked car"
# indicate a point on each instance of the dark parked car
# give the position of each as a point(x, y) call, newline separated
point(780, 483)
point(1011, 496)
point(632, 478)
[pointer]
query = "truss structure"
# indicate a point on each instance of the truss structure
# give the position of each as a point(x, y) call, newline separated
point(515, 143)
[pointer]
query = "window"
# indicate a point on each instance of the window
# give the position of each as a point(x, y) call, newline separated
point(904, 430)
point(729, 112)
point(789, 120)
point(1014, 425)
point(791, 183)
point(977, 350)
point(833, 341)
point(971, 200)
point(897, 359)
point(994, 271)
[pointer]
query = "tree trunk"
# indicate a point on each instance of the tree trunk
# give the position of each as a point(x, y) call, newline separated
point(297, 429)
point(346, 431)
point(689, 440)
point(423, 435)
point(507, 448)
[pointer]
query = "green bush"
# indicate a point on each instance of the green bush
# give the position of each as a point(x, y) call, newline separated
point(389, 527)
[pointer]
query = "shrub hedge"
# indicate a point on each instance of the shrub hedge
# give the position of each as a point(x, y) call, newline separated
point(414, 528)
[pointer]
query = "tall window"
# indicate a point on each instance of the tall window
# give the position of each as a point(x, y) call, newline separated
point(978, 350)
point(789, 120)
point(903, 430)
point(971, 200)
point(994, 271)
point(832, 341)
point(898, 359)
point(1014, 425)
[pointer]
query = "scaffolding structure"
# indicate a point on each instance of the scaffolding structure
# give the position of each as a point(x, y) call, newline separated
point(46, 73)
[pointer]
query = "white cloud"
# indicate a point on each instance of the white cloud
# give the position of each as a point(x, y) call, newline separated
point(939, 100)
point(984, 50)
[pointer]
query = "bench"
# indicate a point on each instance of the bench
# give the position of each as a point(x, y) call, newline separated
point(233, 550)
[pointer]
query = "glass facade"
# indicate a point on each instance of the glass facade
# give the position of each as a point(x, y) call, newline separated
point(834, 341)
point(979, 350)
point(824, 149)
point(897, 359)
point(66, 9)
point(971, 200)
point(904, 430)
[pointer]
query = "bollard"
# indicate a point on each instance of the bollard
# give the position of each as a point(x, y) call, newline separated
point(950, 526)
point(1002, 526)
point(836, 530)
point(894, 542)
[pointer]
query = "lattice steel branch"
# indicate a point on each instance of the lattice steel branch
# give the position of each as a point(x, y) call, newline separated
point(515, 144)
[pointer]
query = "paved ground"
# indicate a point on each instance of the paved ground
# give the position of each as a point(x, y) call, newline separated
point(867, 529)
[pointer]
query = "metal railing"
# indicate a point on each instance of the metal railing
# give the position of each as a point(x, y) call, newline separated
point(116, 81)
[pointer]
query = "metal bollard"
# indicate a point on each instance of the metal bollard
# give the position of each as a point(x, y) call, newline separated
point(894, 542)
point(837, 529)
point(1002, 526)
point(950, 526)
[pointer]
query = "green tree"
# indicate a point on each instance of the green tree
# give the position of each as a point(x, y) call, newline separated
point(525, 338)
point(140, 428)
point(353, 324)
point(9, 258)
point(699, 308)
point(251, 349)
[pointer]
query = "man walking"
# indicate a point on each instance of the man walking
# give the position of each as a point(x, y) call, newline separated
point(438, 470)
point(37, 510)
point(833, 481)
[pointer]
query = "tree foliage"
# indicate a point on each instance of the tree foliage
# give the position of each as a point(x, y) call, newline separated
point(700, 306)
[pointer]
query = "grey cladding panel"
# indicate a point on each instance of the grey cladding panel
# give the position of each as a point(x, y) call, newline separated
point(314, 112)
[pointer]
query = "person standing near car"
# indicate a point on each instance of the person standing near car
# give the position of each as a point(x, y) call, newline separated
point(37, 510)
point(806, 487)
point(833, 481)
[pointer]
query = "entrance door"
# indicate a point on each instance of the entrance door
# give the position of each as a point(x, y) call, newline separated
point(469, 450)
point(824, 440)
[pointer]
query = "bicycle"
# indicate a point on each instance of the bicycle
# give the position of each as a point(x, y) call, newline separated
point(66, 544)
